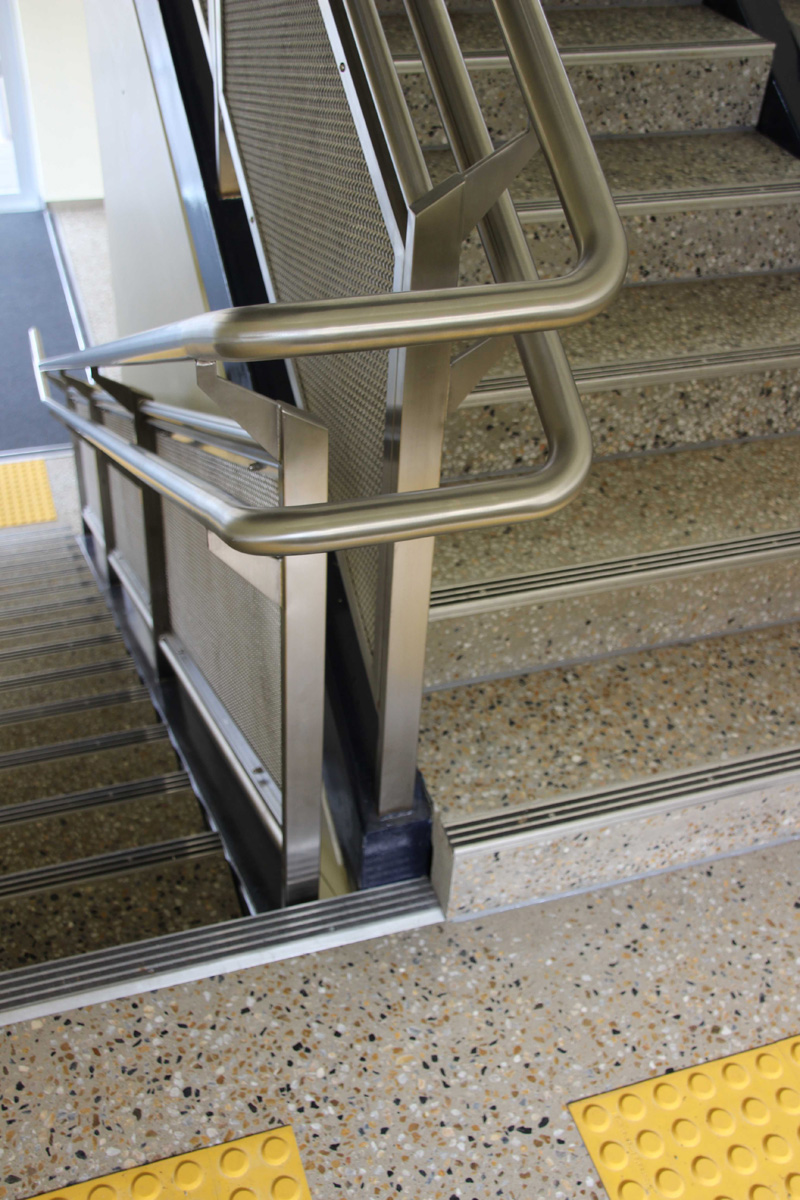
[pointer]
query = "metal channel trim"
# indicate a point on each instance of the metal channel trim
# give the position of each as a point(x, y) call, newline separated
point(88, 745)
point(44, 677)
point(677, 201)
point(215, 950)
point(588, 810)
point(244, 762)
point(81, 869)
point(579, 56)
point(59, 708)
point(32, 810)
point(593, 577)
point(102, 639)
point(513, 389)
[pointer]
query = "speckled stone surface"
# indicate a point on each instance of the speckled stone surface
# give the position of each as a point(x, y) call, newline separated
point(25, 635)
point(82, 610)
point(43, 572)
point(640, 505)
point(689, 244)
point(80, 772)
point(521, 637)
point(71, 919)
point(636, 166)
point(490, 438)
point(531, 869)
point(44, 690)
point(501, 745)
point(72, 585)
point(703, 93)
point(50, 659)
point(100, 829)
point(46, 731)
point(437, 1062)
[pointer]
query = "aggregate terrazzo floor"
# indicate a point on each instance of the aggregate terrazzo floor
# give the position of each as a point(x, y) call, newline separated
point(81, 772)
point(502, 744)
point(95, 683)
point(46, 731)
point(435, 1063)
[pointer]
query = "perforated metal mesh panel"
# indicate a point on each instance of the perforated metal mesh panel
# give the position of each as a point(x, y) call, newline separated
point(319, 223)
point(231, 631)
point(126, 508)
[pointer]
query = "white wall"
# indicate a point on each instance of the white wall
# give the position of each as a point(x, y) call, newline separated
point(59, 75)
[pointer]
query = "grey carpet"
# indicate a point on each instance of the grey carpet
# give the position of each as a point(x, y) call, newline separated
point(30, 294)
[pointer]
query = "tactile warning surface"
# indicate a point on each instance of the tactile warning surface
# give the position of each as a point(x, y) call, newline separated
point(25, 496)
point(264, 1166)
point(726, 1130)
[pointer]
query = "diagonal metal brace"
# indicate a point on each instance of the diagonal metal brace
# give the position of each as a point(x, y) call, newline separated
point(468, 368)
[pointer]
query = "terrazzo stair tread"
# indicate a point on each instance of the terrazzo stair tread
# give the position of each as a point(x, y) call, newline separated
point(638, 505)
point(43, 570)
point(47, 593)
point(74, 918)
point(692, 206)
point(32, 615)
point(46, 658)
point(102, 829)
point(80, 629)
point(502, 745)
point(709, 73)
point(53, 729)
point(727, 350)
point(50, 687)
point(83, 772)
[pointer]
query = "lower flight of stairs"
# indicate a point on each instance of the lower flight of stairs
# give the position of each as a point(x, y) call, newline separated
point(102, 841)
point(615, 690)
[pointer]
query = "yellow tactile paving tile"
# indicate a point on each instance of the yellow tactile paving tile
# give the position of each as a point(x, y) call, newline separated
point(25, 496)
point(264, 1166)
point(725, 1130)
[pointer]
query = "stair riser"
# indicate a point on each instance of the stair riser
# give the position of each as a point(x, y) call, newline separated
point(50, 691)
point(568, 628)
point(74, 918)
point(101, 829)
point(82, 772)
point(47, 731)
point(24, 636)
point(502, 437)
point(542, 867)
point(665, 246)
point(617, 98)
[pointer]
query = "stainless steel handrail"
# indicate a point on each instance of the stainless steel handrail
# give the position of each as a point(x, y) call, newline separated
point(408, 318)
point(398, 319)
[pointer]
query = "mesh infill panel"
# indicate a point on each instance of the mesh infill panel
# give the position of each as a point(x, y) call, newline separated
point(319, 223)
point(127, 509)
point(231, 631)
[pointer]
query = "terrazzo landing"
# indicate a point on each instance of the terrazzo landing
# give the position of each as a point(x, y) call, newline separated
point(434, 1063)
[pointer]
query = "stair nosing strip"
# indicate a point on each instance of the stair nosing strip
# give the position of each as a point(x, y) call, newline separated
point(87, 745)
point(27, 609)
point(636, 202)
point(464, 598)
point(62, 674)
point(602, 377)
point(58, 708)
point(100, 639)
point(577, 56)
point(13, 593)
point(114, 863)
point(682, 787)
point(103, 972)
point(81, 570)
point(31, 810)
point(66, 623)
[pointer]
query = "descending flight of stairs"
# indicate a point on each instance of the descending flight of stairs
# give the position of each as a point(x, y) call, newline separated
point(627, 670)
point(102, 841)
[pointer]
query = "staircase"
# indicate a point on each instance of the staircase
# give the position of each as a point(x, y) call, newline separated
point(613, 690)
point(103, 841)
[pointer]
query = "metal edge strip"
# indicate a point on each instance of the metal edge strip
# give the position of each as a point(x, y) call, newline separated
point(87, 745)
point(679, 790)
point(114, 863)
point(607, 576)
point(34, 651)
point(589, 55)
point(236, 946)
point(49, 626)
point(31, 810)
point(678, 201)
point(44, 677)
point(515, 389)
point(58, 708)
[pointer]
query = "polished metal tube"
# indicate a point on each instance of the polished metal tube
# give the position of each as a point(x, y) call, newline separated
point(315, 528)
